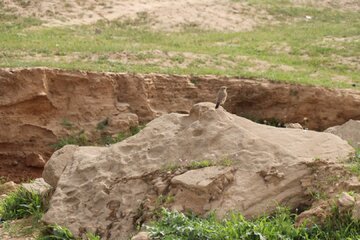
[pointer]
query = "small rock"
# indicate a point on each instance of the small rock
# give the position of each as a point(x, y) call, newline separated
point(315, 215)
point(353, 184)
point(356, 210)
point(7, 187)
point(345, 201)
point(34, 160)
point(293, 125)
point(15, 163)
point(177, 207)
point(39, 186)
point(160, 187)
point(141, 236)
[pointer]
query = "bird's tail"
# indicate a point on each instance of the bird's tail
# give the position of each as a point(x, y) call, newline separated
point(217, 105)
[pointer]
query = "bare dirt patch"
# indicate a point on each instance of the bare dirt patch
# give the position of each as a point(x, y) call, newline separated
point(158, 14)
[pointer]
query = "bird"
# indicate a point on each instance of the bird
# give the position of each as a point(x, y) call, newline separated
point(221, 96)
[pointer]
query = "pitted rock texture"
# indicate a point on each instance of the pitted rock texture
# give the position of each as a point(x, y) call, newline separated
point(107, 189)
point(34, 102)
point(349, 131)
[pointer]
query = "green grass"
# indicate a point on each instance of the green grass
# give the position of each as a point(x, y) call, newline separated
point(201, 164)
point(20, 204)
point(21, 212)
point(174, 225)
point(55, 232)
point(354, 165)
point(305, 48)
point(81, 138)
point(21, 228)
point(77, 138)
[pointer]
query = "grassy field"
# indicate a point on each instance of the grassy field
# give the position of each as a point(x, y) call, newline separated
point(323, 50)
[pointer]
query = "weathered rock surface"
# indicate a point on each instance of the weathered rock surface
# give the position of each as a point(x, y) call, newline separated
point(35, 102)
point(141, 236)
point(108, 189)
point(349, 131)
point(57, 163)
point(345, 201)
point(356, 210)
point(39, 186)
point(7, 187)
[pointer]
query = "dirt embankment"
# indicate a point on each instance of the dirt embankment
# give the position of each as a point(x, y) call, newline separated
point(37, 104)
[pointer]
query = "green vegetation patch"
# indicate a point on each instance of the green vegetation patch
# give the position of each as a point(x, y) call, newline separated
point(55, 232)
point(81, 138)
point(20, 204)
point(174, 225)
point(354, 165)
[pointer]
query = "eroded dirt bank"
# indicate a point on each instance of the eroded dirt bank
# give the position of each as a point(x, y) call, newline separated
point(35, 104)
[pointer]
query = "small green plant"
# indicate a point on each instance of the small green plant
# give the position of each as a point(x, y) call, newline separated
point(56, 232)
point(318, 195)
point(164, 199)
point(354, 165)
point(201, 164)
point(171, 167)
point(107, 139)
point(67, 124)
point(136, 129)
point(227, 162)
point(79, 138)
point(91, 236)
point(178, 58)
point(103, 124)
point(161, 202)
point(20, 204)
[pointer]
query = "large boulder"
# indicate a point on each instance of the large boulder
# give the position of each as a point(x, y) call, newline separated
point(255, 167)
point(349, 131)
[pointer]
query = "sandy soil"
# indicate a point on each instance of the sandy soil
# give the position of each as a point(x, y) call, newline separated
point(159, 14)
point(224, 15)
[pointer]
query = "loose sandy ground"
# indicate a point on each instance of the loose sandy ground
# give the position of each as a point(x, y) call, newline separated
point(159, 14)
point(225, 15)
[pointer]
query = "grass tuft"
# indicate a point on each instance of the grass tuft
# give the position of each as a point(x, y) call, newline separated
point(56, 232)
point(201, 164)
point(79, 138)
point(354, 166)
point(20, 204)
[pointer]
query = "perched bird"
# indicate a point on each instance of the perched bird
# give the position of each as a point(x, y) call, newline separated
point(221, 96)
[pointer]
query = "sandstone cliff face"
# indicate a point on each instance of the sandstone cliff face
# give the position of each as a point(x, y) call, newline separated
point(256, 167)
point(33, 103)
